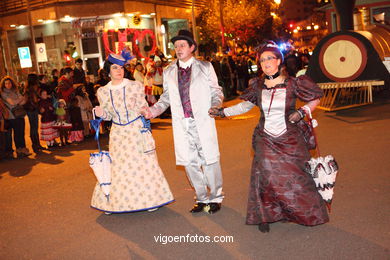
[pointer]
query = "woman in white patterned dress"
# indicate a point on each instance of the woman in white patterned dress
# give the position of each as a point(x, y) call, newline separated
point(137, 181)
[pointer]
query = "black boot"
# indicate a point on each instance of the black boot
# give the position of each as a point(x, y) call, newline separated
point(264, 227)
point(35, 144)
point(39, 144)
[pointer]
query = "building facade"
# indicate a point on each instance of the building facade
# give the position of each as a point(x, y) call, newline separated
point(64, 30)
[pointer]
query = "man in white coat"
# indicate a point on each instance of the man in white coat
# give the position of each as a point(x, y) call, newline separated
point(191, 89)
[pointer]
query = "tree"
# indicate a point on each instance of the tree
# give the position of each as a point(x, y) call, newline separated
point(243, 22)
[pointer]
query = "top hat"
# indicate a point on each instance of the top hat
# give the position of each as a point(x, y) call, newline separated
point(185, 35)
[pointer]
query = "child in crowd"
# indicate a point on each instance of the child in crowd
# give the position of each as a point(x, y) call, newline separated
point(76, 133)
point(48, 119)
point(90, 89)
point(86, 109)
point(61, 124)
point(139, 72)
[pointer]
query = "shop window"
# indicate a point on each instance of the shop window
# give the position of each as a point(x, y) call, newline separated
point(89, 41)
point(172, 28)
point(92, 65)
point(381, 15)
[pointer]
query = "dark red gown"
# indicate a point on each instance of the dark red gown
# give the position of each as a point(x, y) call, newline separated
point(279, 187)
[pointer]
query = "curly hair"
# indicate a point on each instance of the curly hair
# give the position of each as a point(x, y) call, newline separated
point(4, 79)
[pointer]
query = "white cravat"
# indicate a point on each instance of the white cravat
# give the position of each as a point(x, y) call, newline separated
point(186, 64)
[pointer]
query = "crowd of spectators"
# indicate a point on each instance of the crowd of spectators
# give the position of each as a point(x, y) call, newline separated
point(59, 106)
point(58, 109)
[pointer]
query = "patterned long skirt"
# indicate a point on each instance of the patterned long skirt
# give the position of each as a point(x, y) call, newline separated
point(76, 136)
point(137, 181)
point(48, 133)
point(280, 189)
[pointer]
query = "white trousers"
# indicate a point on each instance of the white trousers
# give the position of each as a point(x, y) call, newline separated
point(202, 177)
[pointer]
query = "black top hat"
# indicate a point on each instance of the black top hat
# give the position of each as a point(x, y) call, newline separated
point(185, 35)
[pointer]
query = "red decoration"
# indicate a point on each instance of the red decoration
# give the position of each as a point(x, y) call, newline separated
point(105, 41)
point(122, 38)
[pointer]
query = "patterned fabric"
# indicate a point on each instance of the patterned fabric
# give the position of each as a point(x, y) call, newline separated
point(137, 181)
point(279, 187)
point(48, 133)
point(184, 89)
point(76, 136)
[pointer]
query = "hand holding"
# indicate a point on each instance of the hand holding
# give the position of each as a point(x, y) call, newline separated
point(296, 116)
point(216, 112)
point(145, 111)
point(98, 111)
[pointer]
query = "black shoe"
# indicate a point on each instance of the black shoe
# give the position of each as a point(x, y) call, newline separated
point(9, 156)
point(198, 207)
point(214, 207)
point(264, 227)
point(37, 151)
point(21, 155)
point(42, 147)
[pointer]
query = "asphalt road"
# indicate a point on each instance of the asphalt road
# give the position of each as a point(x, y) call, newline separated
point(45, 213)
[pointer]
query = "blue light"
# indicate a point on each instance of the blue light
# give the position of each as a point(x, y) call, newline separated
point(282, 46)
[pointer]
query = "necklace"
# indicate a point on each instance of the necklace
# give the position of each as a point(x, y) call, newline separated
point(272, 76)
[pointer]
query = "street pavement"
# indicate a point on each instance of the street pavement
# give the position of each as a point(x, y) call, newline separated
point(45, 212)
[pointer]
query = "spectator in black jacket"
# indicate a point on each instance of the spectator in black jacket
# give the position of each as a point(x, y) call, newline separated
point(79, 73)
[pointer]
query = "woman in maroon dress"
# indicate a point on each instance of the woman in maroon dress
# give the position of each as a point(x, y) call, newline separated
point(279, 189)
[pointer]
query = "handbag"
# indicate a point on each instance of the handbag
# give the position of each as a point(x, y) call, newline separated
point(323, 170)
point(18, 111)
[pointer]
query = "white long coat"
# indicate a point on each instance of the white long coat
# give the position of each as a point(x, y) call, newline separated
point(204, 93)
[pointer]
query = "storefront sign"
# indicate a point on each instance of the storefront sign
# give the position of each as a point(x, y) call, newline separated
point(40, 50)
point(88, 35)
point(87, 23)
point(24, 57)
